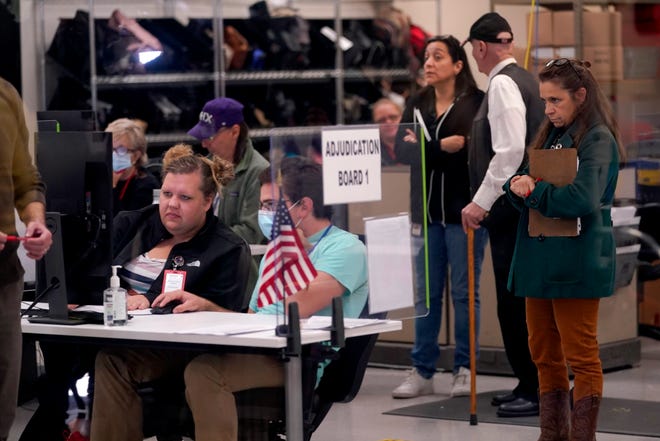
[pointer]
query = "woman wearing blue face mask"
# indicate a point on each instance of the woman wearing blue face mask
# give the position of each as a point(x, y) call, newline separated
point(132, 184)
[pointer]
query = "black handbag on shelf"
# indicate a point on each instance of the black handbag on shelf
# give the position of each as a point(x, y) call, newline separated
point(283, 37)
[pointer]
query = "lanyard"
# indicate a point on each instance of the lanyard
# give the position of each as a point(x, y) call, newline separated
point(125, 187)
point(320, 239)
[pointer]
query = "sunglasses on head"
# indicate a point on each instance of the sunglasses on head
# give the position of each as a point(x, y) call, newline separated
point(559, 62)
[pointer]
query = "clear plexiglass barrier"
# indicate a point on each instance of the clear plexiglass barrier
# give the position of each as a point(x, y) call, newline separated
point(375, 191)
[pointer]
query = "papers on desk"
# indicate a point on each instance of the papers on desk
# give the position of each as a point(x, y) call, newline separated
point(226, 329)
point(235, 324)
point(324, 322)
point(99, 308)
point(93, 308)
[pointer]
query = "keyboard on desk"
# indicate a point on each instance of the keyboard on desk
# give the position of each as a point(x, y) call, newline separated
point(89, 317)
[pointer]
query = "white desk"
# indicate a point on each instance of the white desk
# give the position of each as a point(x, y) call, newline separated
point(215, 328)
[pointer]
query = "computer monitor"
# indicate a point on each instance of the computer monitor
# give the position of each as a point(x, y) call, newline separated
point(77, 170)
point(67, 120)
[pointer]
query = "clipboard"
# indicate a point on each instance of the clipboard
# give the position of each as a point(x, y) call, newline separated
point(557, 167)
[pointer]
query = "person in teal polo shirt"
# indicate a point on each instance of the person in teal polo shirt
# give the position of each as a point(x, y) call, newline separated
point(340, 260)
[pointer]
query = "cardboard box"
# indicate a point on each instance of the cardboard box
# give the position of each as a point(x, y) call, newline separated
point(538, 57)
point(565, 52)
point(542, 28)
point(606, 62)
point(641, 62)
point(598, 28)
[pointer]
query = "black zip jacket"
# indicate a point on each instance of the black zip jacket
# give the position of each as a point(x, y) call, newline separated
point(216, 260)
point(447, 179)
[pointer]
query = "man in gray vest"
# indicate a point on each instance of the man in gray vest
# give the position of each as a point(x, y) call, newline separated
point(506, 122)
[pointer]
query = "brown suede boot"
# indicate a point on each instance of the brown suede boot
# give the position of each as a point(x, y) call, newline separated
point(584, 418)
point(554, 416)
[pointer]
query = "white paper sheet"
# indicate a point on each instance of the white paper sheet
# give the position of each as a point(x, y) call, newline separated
point(389, 254)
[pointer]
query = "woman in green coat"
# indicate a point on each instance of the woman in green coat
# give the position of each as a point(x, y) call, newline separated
point(564, 277)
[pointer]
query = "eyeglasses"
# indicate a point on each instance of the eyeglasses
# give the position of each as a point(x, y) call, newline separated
point(121, 150)
point(559, 62)
point(271, 204)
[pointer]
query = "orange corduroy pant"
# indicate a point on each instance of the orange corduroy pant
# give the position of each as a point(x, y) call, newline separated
point(562, 333)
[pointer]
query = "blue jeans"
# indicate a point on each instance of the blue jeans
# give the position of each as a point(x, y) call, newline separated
point(447, 247)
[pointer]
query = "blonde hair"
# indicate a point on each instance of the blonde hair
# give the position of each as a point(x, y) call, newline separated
point(386, 101)
point(135, 134)
point(216, 172)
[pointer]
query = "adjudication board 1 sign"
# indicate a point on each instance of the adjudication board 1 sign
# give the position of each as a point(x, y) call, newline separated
point(351, 165)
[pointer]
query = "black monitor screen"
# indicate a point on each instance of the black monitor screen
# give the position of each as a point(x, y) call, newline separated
point(76, 168)
point(67, 120)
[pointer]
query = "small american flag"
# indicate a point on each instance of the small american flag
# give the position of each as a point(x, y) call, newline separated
point(287, 268)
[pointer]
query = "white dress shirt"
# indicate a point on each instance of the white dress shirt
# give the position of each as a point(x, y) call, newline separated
point(508, 128)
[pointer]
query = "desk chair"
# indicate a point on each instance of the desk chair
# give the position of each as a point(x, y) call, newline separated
point(155, 168)
point(261, 411)
point(341, 379)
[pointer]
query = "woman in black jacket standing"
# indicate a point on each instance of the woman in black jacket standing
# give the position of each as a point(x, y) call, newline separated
point(447, 104)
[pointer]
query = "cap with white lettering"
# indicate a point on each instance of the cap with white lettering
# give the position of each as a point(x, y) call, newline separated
point(216, 114)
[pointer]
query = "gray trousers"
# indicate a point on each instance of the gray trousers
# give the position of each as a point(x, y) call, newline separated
point(11, 348)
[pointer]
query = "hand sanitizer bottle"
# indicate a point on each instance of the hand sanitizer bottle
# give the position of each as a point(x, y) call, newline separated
point(114, 302)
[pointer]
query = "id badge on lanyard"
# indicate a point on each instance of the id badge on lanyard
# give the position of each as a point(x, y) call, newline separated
point(174, 279)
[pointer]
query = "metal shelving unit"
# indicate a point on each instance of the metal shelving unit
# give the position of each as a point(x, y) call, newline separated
point(284, 76)
point(220, 77)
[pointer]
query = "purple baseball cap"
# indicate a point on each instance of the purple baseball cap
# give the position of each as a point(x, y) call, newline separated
point(216, 114)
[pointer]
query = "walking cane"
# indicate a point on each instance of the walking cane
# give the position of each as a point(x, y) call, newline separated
point(472, 325)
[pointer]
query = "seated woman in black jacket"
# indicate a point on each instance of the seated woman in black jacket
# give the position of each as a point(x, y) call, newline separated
point(180, 233)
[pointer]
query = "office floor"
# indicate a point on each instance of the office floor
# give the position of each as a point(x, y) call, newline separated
point(363, 419)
